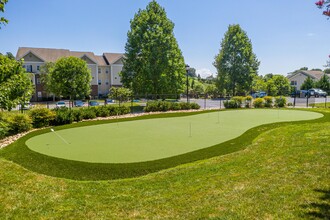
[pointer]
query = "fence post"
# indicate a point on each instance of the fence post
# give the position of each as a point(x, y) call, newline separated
point(307, 101)
point(204, 101)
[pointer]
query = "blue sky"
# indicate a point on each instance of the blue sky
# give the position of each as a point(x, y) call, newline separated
point(285, 35)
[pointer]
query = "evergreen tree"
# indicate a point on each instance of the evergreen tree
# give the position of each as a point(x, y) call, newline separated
point(153, 62)
point(236, 63)
point(307, 84)
point(324, 83)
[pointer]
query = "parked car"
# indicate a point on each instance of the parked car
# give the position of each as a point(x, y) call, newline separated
point(60, 104)
point(109, 101)
point(93, 103)
point(260, 94)
point(316, 93)
point(78, 103)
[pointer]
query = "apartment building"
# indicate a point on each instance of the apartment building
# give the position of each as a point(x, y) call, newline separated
point(104, 68)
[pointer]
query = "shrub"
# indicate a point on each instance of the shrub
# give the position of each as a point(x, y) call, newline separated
point(239, 100)
point(63, 116)
point(290, 104)
point(88, 113)
point(230, 104)
point(280, 101)
point(102, 111)
point(18, 123)
point(258, 103)
point(122, 110)
point(268, 101)
point(3, 129)
point(194, 106)
point(248, 98)
point(156, 106)
point(41, 117)
point(77, 115)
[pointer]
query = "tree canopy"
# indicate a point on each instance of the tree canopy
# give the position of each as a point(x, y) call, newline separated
point(307, 84)
point(68, 77)
point(236, 63)
point(153, 62)
point(15, 84)
point(3, 21)
point(324, 83)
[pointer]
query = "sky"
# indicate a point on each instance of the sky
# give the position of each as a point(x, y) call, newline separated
point(285, 35)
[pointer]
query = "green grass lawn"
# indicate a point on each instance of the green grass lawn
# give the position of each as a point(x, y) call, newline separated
point(283, 174)
point(158, 138)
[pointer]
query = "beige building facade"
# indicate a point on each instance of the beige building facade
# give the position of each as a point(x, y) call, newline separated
point(297, 79)
point(104, 68)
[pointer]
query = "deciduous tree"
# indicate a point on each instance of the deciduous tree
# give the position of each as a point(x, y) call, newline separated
point(69, 77)
point(3, 20)
point(236, 63)
point(15, 84)
point(153, 62)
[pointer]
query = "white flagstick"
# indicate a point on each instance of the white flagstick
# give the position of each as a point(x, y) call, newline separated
point(59, 136)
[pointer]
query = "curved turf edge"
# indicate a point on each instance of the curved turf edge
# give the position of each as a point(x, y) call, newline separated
point(19, 153)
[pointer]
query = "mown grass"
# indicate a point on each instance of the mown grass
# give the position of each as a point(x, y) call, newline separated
point(283, 174)
point(321, 105)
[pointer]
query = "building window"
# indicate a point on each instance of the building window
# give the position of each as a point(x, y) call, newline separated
point(293, 83)
point(106, 83)
point(39, 94)
point(29, 68)
point(38, 68)
point(99, 70)
point(38, 81)
point(107, 70)
point(100, 82)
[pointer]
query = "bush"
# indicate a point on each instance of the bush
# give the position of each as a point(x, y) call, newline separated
point(88, 113)
point(248, 98)
point(102, 111)
point(77, 115)
point(157, 106)
point(41, 117)
point(231, 104)
point(123, 110)
point(63, 116)
point(18, 123)
point(268, 101)
point(258, 103)
point(239, 100)
point(280, 101)
point(3, 129)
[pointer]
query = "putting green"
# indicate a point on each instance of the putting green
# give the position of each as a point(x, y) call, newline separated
point(152, 139)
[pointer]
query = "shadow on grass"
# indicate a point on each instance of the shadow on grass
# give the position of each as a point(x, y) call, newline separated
point(319, 209)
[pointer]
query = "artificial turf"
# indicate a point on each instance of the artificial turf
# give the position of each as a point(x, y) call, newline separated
point(154, 139)
point(19, 153)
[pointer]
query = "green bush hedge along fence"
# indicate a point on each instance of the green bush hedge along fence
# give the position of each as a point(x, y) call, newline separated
point(14, 123)
point(266, 102)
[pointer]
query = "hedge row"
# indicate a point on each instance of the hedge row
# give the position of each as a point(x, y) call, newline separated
point(266, 102)
point(14, 123)
point(160, 106)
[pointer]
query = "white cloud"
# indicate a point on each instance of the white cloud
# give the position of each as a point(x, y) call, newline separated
point(204, 72)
